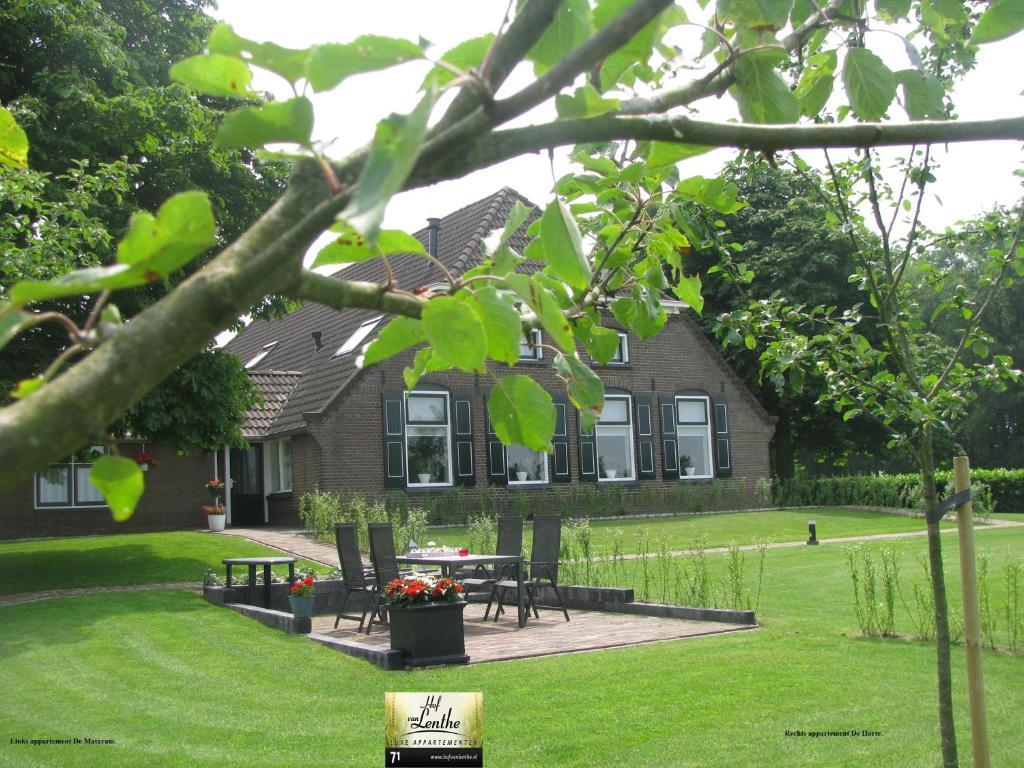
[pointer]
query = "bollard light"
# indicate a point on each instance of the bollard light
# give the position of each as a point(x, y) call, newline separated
point(812, 532)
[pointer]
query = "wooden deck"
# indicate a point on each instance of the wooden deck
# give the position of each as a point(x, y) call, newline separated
point(547, 636)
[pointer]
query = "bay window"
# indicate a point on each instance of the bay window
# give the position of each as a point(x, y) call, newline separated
point(693, 433)
point(615, 440)
point(427, 439)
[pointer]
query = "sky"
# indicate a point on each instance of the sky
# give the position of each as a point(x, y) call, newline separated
point(972, 177)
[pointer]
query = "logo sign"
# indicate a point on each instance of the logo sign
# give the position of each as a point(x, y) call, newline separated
point(427, 729)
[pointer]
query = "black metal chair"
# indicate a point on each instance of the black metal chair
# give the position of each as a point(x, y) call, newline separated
point(385, 568)
point(510, 542)
point(356, 580)
point(543, 563)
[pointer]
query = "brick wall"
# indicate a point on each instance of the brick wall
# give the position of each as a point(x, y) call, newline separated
point(351, 434)
point(173, 499)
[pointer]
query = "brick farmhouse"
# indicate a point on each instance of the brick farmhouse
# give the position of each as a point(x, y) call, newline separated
point(679, 428)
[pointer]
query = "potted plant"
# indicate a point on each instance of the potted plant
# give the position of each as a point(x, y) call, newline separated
point(687, 464)
point(521, 474)
point(215, 513)
point(425, 614)
point(301, 597)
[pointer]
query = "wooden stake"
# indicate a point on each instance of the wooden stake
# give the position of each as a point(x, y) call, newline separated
point(972, 623)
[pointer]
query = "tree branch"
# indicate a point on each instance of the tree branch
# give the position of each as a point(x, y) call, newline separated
point(344, 294)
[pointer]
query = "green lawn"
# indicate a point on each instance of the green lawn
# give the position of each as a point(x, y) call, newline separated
point(723, 529)
point(135, 558)
point(177, 682)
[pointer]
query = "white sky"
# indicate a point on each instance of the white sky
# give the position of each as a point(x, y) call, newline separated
point(972, 176)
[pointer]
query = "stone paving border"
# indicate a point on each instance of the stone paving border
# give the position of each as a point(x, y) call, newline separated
point(49, 594)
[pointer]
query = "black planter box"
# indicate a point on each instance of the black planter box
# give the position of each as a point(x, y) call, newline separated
point(429, 633)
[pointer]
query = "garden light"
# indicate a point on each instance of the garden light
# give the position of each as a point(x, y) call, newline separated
point(812, 532)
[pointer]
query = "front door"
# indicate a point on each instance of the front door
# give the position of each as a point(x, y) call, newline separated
point(247, 486)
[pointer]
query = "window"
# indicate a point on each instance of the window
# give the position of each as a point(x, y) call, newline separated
point(427, 444)
point(69, 485)
point(279, 465)
point(530, 349)
point(615, 440)
point(621, 356)
point(258, 357)
point(358, 336)
point(526, 467)
point(693, 431)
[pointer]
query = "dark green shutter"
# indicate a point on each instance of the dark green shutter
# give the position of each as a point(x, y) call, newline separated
point(644, 436)
point(561, 472)
point(463, 457)
point(393, 417)
point(720, 433)
point(497, 472)
point(669, 442)
point(587, 451)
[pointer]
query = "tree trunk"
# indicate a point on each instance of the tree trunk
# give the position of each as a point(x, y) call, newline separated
point(947, 730)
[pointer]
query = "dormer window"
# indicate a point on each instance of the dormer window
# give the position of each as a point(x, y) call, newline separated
point(530, 349)
point(621, 356)
point(258, 357)
point(358, 337)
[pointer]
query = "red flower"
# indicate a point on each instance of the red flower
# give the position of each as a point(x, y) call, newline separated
point(308, 581)
point(457, 588)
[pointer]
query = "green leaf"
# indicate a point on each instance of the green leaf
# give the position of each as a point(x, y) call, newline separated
point(398, 241)
point(664, 153)
point(396, 145)
point(348, 246)
point(456, 333)
point(183, 228)
point(922, 94)
point(584, 387)
point(715, 193)
point(215, 75)
point(466, 55)
point(26, 387)
point(522, 413)
point(1000, 20)
point(424, 362)
point(894, 9)
point(688, 289)
point(641, 313)
point(602, 344)
point(870, 85)
point(121, 482)
point(761, 94)
point(289, 63)
point(561, 246)
point(757, 14)
point(584, 102)
point(13, 141)
point(570, 28)
point(948, 9)
point(398, 335)
point(331, 63)
point(12, 322)
point(279, 121)
point(816, 83)
point(545, 306)
point(502, 324)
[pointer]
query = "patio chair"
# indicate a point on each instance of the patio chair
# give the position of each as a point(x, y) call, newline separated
point(385, 568)
point(356, 579)
point(543, 566)
point(510, 542)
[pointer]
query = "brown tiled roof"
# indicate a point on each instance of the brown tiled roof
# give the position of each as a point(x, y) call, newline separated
point(319, 375)
point(276, 387)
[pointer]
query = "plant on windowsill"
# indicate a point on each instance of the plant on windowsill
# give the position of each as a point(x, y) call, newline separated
point(603, 471)
point(687, 464)
point(301, 597)
point(215, 513)
point(521, 474)
point(425, 614)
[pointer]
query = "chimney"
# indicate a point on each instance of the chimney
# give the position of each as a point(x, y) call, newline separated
point(433, 227)
point(318, 341)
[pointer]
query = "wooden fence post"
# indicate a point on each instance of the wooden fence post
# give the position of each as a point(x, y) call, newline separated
point(972, 623)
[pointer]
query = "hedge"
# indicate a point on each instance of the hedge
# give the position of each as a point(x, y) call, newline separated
point(904, 491)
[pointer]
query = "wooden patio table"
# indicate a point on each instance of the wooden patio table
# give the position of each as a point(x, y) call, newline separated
point(449, 562)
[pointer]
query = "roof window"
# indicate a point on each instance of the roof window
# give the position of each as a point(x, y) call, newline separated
point(359, 336)
point(260, 355)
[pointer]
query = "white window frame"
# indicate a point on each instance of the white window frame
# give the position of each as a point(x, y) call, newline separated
point(272, 472)
point(256, 359)
point(522, 483)
point(617, 427)
point(447, 436)
point(622, 351)
point(537, 353)
point(691, 425)
point(72, 468)
point(358, 336)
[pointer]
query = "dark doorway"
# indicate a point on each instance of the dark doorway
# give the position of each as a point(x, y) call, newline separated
point(247, 486)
